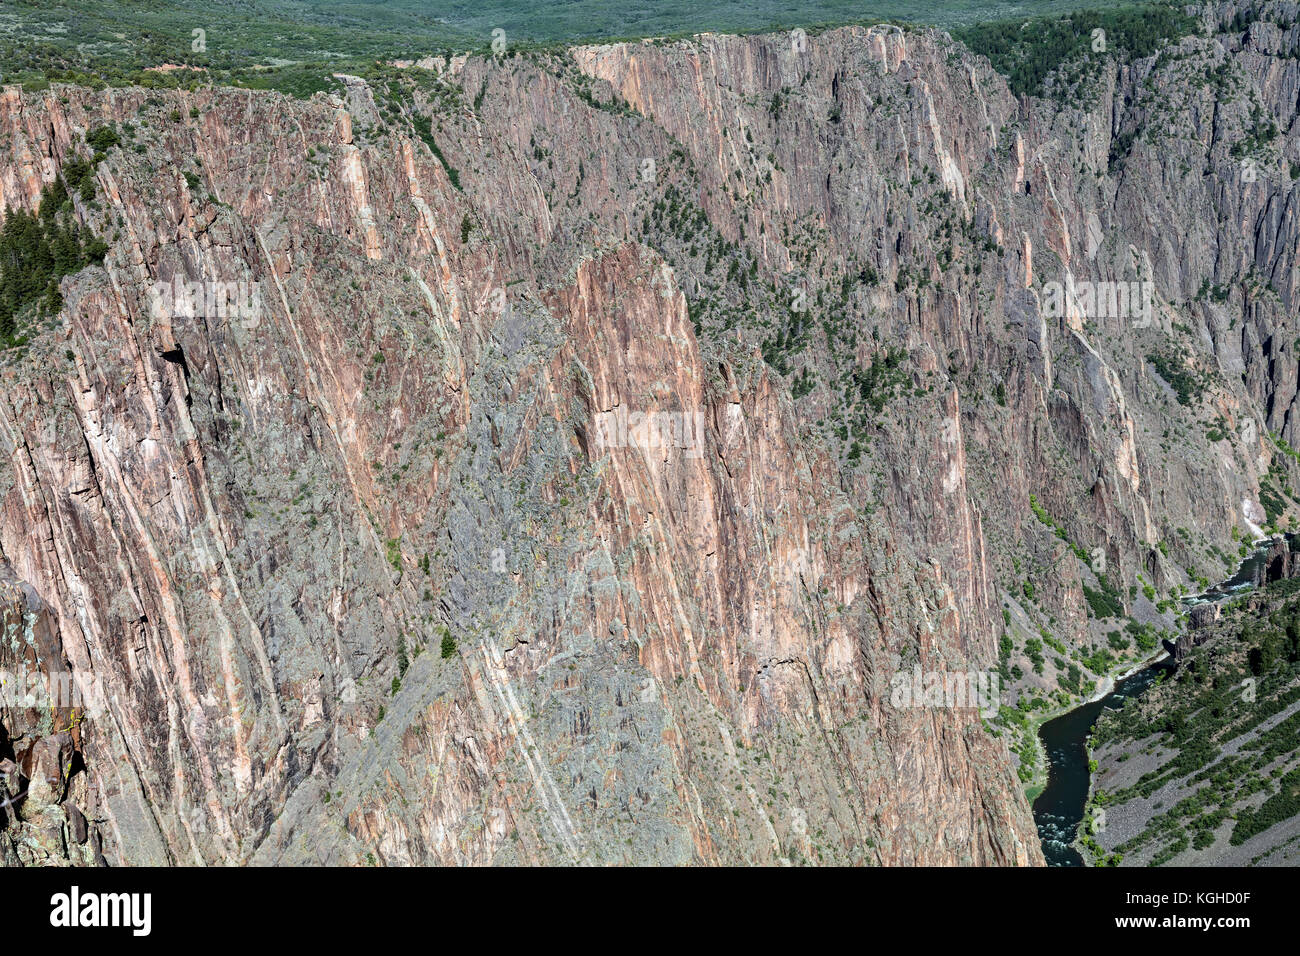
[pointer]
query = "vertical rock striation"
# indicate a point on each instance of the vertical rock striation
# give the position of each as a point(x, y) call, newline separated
point(500, 531)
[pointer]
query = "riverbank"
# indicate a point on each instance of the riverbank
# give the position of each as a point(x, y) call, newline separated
point(1204, 770)
point(1062, 804)
point(1080, 845)
point(1106, 685)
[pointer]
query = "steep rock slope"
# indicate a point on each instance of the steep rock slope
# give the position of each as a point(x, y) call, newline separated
point(249, 529)
point(1203, 769)
point(392, 568)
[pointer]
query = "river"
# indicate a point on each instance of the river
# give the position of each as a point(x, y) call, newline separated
point(1059, 808)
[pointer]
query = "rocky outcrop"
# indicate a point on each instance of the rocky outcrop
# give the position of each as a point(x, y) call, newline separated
point(43, 788)
point(1202, 615)
point(574, 492)
point(522, 636)
point(1280, 562)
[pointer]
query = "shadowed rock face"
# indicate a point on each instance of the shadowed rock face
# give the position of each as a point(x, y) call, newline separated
point(490, 536)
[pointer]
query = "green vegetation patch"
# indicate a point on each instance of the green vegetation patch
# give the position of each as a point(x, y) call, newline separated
point(1028, 52)
point(37, 250)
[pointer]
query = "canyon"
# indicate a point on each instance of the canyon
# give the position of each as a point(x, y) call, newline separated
point(611, 425)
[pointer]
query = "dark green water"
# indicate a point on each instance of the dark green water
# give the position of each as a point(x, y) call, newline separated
point(1059, 808)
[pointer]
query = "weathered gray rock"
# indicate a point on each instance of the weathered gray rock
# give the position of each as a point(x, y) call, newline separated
point(260, 536)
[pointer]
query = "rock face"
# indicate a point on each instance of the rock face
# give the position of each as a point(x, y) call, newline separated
point(41, 783)
point(558, 497)
point(1203, 615)
point(1281, 562)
